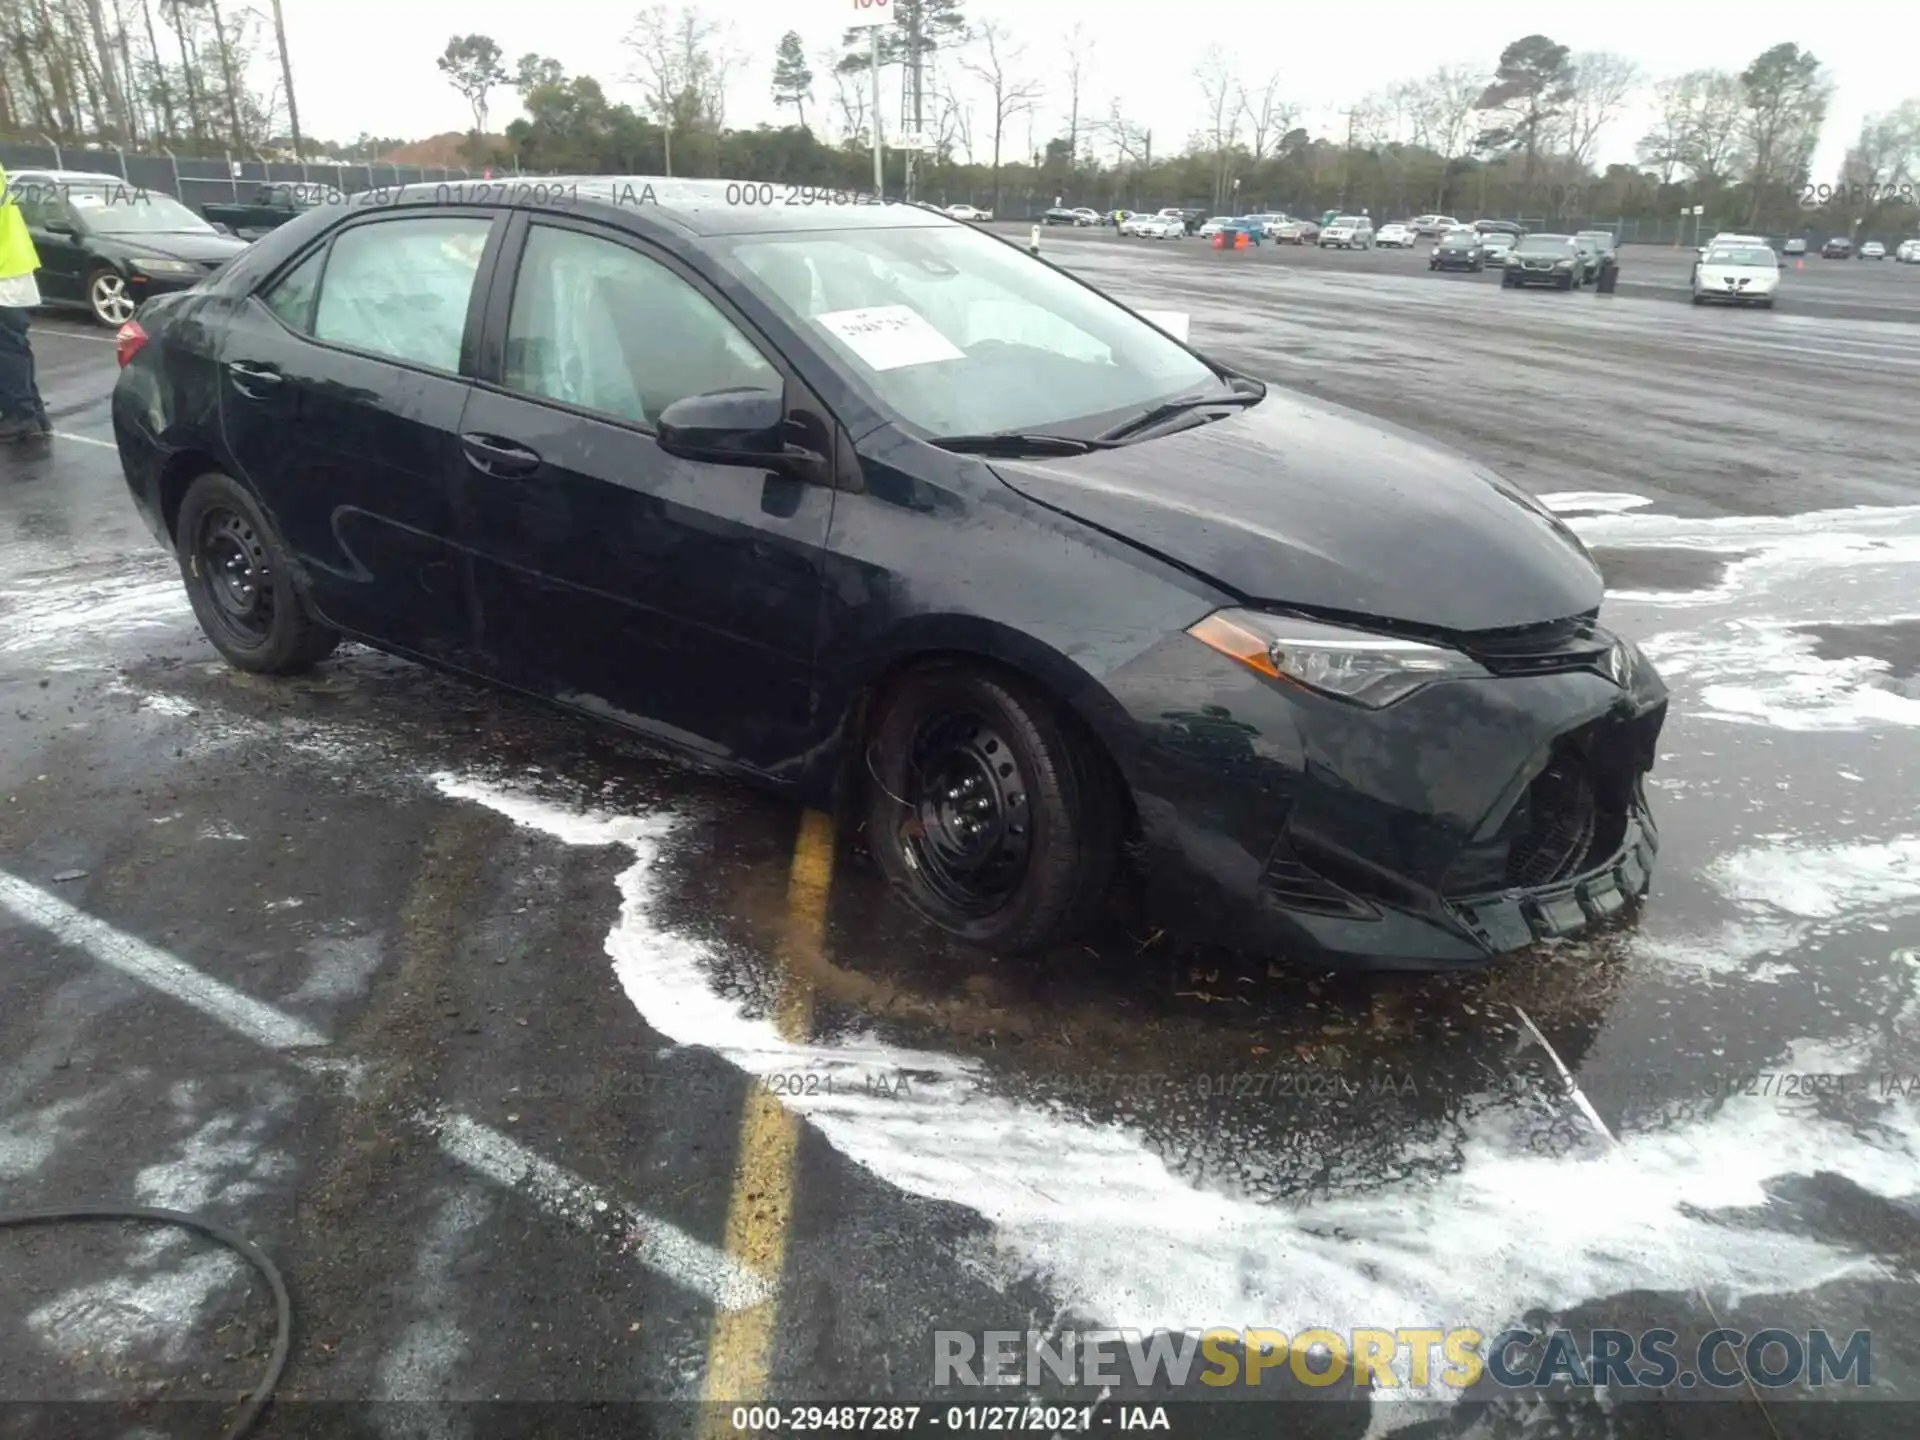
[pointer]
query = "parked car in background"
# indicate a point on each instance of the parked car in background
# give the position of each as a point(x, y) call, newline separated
point(1194, 220)
point(107, 246)
point(1395, 237)
point(968, 212)
point(1603, 245)
point(1348, 232)
point(1737, 274)
point(1908, 253)
point(1500, 227)
point(1545, 260)
point(1797, 245)
point(1838, 248)
point(1433, 226)
point(1088, 215)
point(1296, 232)
point(1156, 227)
point(1873, 250)
point(1458, 249)
point(1213, 225)
point(1495, 245)
point(1054, 216)
point(270, 207)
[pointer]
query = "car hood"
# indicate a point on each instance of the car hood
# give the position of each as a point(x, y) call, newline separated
point(1299, 502)
point(186, 245)
point(1752, 274)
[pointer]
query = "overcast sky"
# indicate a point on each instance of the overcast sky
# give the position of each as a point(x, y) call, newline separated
point(368, 65)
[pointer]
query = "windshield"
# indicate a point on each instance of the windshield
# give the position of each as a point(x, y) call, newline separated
point(962, 334)
point(1740, 255)
point(135, 212)
point(1352, 222)
point(1598, 237)
point(1495, 238)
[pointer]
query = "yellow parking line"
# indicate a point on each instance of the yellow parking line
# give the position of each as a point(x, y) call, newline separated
point(761, 1208)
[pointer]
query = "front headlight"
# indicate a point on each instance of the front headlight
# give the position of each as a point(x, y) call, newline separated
point(1353, 665)
point(1563, 264)
point(166, 267)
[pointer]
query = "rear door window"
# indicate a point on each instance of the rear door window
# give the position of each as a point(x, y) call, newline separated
point(402, 288)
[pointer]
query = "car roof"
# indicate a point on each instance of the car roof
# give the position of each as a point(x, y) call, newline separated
point(71, 177)
point(697, 207)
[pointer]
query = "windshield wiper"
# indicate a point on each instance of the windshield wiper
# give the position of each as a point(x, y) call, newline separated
point(1011, 444)
point(1179, 405)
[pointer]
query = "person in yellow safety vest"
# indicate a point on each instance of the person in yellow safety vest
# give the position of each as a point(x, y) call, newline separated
point(22, 414)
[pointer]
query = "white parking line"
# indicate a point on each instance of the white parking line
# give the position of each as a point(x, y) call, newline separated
point(660, 1246)
point(77, 335)
point(84, 439)
point(168, 974)
point(675, 1254)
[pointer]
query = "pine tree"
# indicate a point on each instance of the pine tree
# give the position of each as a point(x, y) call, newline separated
point(792, 77)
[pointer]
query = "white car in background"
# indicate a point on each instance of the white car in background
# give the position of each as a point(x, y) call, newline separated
point(1433, 225)
point(1213, 225)
point(1873, 250)
point(968, 212)
point(1395, 237)
point(1908, 253)
point(1737, 273)
point(1494, 246)
point(1163, 227)
point(1349, 232)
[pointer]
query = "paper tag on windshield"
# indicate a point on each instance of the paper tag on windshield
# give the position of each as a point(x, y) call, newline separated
point(86, 201)
point(1174, 322)
point(887, 337)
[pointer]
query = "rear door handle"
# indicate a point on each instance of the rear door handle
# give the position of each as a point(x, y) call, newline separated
point(249, 379)
point(491, 455)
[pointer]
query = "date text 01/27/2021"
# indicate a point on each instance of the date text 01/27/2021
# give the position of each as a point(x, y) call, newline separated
point(927, 1419)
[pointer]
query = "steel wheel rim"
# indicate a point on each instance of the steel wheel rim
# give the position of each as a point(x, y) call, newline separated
point(111, 301)
point(969, 838)
point(231, 563)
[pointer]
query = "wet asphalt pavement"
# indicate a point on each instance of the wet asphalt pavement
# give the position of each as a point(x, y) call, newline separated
point(549, 1071)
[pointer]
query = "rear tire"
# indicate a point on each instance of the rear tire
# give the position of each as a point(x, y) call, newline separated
point(241, 584)
point(989, 816)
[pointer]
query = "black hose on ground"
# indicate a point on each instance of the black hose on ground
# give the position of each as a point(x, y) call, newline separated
point(283, 1306)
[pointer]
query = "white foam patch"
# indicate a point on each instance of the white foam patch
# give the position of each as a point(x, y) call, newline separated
point(156, 1314)
point(28, 1141)
point(1824, 882)
point(1099, 1216)
point(422, 1366)
point(1736, 651)
point(50, 611)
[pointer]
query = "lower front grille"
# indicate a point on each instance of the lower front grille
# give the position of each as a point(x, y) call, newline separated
point(1563, 815)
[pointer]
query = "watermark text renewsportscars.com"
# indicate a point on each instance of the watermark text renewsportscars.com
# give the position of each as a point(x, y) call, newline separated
point(1404, 1358)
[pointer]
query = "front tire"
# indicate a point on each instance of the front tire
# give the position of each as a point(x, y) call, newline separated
point(108, 299)
point(240, 582)
point(989, 816)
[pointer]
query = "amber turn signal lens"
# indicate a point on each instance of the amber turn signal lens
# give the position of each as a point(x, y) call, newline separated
point(1237, 643)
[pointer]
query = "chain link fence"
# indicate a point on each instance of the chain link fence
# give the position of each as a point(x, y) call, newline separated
point(199, 182)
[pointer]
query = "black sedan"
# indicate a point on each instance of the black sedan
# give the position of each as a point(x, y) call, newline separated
point(1838, 248)
point(1556, 260)
point(1458, 250)
point(106, 246)
point(875, 508)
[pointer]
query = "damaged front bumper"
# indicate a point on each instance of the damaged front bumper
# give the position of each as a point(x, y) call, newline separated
point(1470, 820)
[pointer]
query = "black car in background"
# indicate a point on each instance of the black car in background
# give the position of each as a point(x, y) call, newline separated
point(1554, 260)
point(1603, 247)
point(1059, 215)
point(1458, 250)
point(873, 507)
point(107, 246)
point(1838, 248)
point(270, 207)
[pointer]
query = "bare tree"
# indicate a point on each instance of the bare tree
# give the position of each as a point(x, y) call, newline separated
point(1786, 93)
point(1268, 117)
point(1603, 83)
point(1220, 88)
point(849, 95)
point(1883, 163)
point(681, 66)
point(1667, 146)
point(956, 118)
point(1079, 51)
point(1132, 143)
point(995, 64)
point(1444, 104)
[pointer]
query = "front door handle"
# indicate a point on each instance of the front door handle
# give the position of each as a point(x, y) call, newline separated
point(251, 380)
point(491, 455)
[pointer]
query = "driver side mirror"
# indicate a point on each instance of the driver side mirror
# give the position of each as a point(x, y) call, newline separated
point(61, 227)
point(729, 427)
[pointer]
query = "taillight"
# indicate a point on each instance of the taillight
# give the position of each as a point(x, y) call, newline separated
point(128, 341)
